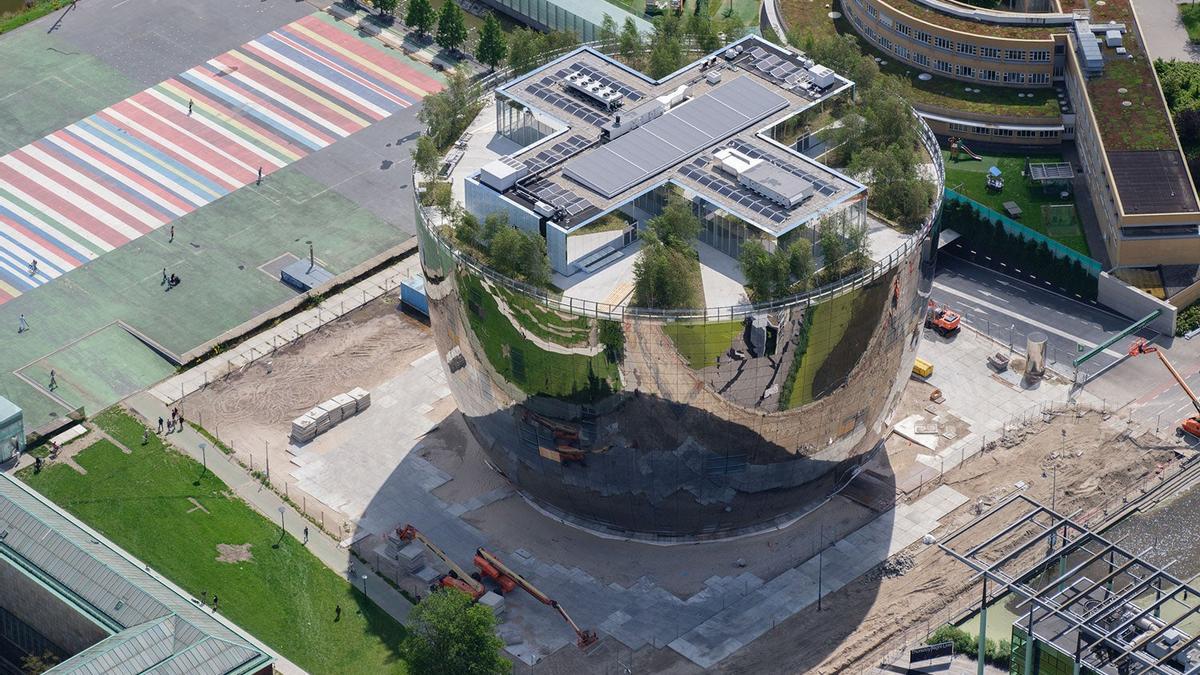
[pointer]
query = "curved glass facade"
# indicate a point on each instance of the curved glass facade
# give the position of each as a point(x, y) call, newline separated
point(661, 425)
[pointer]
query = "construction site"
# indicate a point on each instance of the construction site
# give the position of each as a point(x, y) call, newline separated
point(860, 576)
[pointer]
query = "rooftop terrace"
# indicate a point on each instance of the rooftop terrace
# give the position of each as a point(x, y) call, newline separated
point(668, 131)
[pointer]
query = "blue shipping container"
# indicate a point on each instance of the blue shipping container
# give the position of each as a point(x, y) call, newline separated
point(412, 293)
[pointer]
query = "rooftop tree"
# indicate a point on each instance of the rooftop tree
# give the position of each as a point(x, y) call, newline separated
point(629, 43)
point(447, 113)
point(608, 33)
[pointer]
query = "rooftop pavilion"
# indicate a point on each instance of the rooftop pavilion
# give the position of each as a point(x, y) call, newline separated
point(585, 136)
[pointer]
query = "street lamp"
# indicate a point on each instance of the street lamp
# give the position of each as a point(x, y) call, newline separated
point(204, 455)
point(311, 258)
point(364, 580)
point(281, 528)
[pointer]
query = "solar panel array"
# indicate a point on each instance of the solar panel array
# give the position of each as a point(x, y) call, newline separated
point(559, 197)
point(668, 139)
point(733, 193)
point(781, 69)
point(629, 92)
point(566, 103)
point(819, 185)
point(557, 152)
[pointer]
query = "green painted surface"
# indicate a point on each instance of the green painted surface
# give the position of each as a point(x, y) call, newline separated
point(969, 178)
point(45, 85)
point(283, 595)
point(217, 252)
point(702, 343)
point(100, 369)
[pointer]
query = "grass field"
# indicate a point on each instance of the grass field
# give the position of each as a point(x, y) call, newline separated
point(967, 177)
point(533, 369)
point(146, 502)
point(702, 343)
point(547, 324)
point(828, 324)
point(1190, 15)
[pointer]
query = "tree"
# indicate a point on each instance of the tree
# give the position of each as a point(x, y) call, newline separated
point(666, 48)
point(467, 231)
point(36, 664)
point(800, 263)
point(832, 250)
point(629, 44)
point(521, 255)
point(524, 49)
point(767, 274)
point(492, 48)
point(699, 27)
point(426, 157)
point(419, 16)
point(662, 277)
point(557, 41)
point(447, 113)
point(450, 635)
point(386, 7)
point(608, 30)
point(677, 225)
point(897, 189)
point(452, 27)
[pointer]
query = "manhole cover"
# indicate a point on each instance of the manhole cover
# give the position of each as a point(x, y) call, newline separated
point(1126, 104)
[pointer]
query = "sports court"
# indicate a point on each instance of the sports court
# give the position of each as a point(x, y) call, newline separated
point(329, 115)
point(142, 163)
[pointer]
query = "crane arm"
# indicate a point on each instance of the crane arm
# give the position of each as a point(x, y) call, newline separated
point(585, 637)
point(408, 533)
point(1140, 347)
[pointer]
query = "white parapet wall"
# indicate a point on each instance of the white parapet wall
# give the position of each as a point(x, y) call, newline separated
point(1135, 303)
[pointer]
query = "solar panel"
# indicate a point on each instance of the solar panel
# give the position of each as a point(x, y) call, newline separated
point(666, 140)
point(627, 91)
point(819, 185)
point(568, 104)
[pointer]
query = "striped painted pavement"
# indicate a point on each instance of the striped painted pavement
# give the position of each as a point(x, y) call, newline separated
point(140, 164)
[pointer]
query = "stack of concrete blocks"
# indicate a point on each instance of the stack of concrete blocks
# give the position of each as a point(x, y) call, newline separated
point(410, 555)
point(323, 417)
point(494, 602)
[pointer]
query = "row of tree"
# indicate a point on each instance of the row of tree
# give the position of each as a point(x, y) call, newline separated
point(790, 269)
point(991, 238)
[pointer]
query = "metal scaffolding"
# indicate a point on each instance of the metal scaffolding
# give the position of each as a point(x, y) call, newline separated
point(1082, 596)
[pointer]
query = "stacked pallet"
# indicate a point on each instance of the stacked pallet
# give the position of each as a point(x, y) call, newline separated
point(325, 416)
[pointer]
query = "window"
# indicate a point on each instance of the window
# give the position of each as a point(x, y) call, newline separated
point(982, 131)
point(944, 66)
point(989, 52)
point(885, 20)
point(921, 59)
point(885, 43)
point(901, 51)
point(903, 29)
point(966, 48)
point(872, 34)
point(1003, 132)
point(966, 71)
point(1039, 56)
point(989, 75)
point(1014, 54)
point(1014, 78)
point(1039, 78)
point(942, 43)
point(1048, 134)
point(1026, 133)
point(872, 11)
point(1058, 49)
point(958, 126)
point(924, 37)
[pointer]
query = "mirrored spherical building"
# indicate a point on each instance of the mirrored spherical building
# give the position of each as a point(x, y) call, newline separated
point(677, 424)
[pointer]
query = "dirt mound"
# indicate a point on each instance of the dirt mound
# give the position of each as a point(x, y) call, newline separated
point(231, 553)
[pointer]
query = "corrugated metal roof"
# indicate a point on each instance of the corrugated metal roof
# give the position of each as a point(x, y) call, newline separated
point(155, 627)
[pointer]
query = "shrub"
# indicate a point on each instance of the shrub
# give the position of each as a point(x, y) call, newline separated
point(1187, 319)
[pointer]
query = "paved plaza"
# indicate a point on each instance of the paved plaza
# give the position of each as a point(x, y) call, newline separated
point(102, 164)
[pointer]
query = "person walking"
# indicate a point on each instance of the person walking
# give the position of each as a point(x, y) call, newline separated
point(53, 381)
point(172, 237)
point(180, 424)
point(160, 424)
point(214, 602)
point(259, 181)
point(22, 324)
point(305, 534)
point(337, 613)
point(164, 281)
point(171, 425)
point(189, 107)
point(33, 267)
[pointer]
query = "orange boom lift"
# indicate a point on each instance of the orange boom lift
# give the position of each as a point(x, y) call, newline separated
point(1190, 425)
point(457, 578)
point(584, 638)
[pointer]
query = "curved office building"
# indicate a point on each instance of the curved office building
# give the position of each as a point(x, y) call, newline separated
point(668, 424)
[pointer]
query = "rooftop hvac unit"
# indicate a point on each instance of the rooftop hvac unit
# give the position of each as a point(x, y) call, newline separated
point(713, 76)
point(730, 54)
point(822, 77)
point(543, 209)
point(1112, 38)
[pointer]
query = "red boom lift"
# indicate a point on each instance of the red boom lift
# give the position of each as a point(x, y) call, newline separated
point(1190, 425)
point(584, 638)
point(457, 578)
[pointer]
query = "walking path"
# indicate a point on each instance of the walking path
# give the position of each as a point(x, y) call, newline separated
point(146, 161)
point(293, 328)
point(266, 502)
point(772, 7)
point(1162, 31)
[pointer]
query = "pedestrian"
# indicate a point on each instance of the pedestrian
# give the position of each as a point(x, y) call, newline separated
point(164, 281)
point(214, 602)
point(22, 324)
point(53, 381)
point(337, 612)
point(306, 534)
point(181, 421)
point(171, 425)
point(172, 237)
point(160, 424)
point(259, 181)
point(189, 107)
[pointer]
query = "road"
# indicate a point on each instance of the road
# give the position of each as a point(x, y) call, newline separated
point(1008, 309)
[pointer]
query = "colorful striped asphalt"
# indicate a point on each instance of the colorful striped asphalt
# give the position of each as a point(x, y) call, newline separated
point(140, 164)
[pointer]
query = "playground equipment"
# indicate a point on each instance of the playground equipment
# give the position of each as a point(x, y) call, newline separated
point(957, 146)
point(995, 181)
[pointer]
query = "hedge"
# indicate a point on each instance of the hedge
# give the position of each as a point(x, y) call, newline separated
point(998, 655)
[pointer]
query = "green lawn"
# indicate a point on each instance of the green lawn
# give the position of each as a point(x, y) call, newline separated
point(284, 596)
point(1190, 15)
point(967, 177)
point(545, 323)
point(702, 343)
point(520, 361)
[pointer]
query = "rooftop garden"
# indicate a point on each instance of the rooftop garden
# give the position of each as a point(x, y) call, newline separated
point(1181, 87)
point(919, 11)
